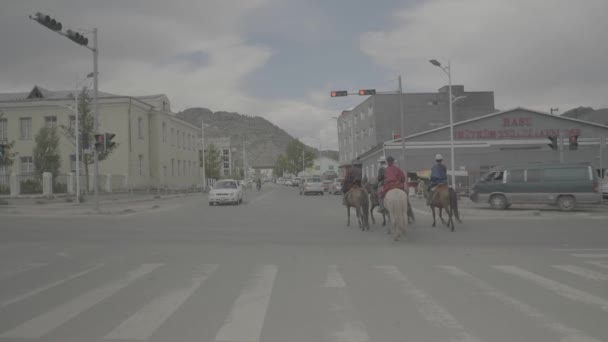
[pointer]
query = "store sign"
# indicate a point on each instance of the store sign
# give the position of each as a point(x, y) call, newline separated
point(518, 127)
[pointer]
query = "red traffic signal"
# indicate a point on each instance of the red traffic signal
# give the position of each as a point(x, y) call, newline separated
point(553, 143)
point(338, 93)
point(574, 142)
point(109, 144)
point(364, 92)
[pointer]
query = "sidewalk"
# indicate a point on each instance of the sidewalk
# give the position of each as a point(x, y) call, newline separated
point(110, 204)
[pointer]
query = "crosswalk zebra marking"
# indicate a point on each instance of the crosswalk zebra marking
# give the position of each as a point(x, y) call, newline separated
point(248, 312)
point(428, 307)
point(598, 263)
point(583, 272)
point(566, 333)
point(149, 318)
point(22, 269)
point(590, 255)
point(49, 321)
point(47, 286)
point(556, 287)
point(334, 278)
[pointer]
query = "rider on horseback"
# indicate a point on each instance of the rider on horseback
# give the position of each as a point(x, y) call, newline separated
point(352, 178)
point(380, 183)
point(439, 175)
point(393, 178)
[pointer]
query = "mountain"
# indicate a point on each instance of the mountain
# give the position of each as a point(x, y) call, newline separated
point(264, 141)
point(599, 116)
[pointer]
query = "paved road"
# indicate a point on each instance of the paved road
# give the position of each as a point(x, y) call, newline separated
point(284, 267)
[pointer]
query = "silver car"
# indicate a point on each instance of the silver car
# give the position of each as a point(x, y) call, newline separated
point(312, 185)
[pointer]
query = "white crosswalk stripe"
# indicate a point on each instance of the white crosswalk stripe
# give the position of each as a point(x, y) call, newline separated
point(428, 307)
point(598, 263)
point(556, 287)
point(148, 319)
point(583, 272)
point(565, 333)
point(47, 322)
point(590, 255)
point(334, 278)
point(246, 318)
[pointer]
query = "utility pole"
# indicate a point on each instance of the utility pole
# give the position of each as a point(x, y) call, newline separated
point(203, 154)
point(96, 109)
point(402, 127)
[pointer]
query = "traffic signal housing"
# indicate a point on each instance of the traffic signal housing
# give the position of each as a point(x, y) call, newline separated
point(338, 93)
point(3, 149)
point(109, 144)
point(553, 143)
point(364, 92)
point(574, 142)
point(77, 37)
point(47, 22)
point(99, 142)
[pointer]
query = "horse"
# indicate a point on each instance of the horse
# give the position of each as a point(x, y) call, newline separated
point(396, 202)
point(444, 197)
point(372, 189)
point(358, 198)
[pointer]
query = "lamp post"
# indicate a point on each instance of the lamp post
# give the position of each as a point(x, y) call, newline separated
point(448, 70)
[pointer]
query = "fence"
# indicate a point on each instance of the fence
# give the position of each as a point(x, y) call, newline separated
point(60, 183)
point(30, 183)
point(5, 184)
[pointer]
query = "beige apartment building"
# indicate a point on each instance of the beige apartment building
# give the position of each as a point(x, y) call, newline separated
point(154, 146)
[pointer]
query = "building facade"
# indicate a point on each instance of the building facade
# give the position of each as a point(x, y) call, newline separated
point(320, 166)
point(154, 147)
point(226, 154)
point(378, 118)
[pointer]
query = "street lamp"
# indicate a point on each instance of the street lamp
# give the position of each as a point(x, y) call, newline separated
point(79, 39)
point(448, 70)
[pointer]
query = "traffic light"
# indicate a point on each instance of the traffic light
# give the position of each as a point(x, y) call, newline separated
point(2, 150)
point(553, 143)
point(99, 142)
point(338, 93)
point(364, 92)
point(47, 21)
point(77, 37)
point(574, 142)
point(85, 141)
point(108, 141)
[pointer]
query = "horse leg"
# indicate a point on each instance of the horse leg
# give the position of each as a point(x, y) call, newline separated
point(441, 216)
point(433, 211)
point(450, 218)
point(371, 213)
point(359, 217)
point(348, 216)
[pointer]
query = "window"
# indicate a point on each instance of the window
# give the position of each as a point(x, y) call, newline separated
point(27, 165)
point(494, 176)
point(177, 142)
point(3, 130)
point(72, 122)
point(226, 172)
point(25, 128)
point(141, 164)
point(172, 167)
point(3, 170)
point(189, 168)
point(140, 128)
point(50, 121)
point(331, 167)
point(179, 167)
point(318, 167)
point(226, 166)
point(73, 163)
point(172, 136)
point(517, 176)
point(164, 132)
point(566, 174)
point(533, 176)
point(183, 140)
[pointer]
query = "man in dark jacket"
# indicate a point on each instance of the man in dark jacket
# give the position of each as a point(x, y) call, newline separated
point(353, 177)
point(381, 167)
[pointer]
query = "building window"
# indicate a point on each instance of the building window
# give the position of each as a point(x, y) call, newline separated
point(179, 136)
point(25, 128)
point(50, 121)
point(318, 167)
point(179, 167)
point(3, 130)
point(3, 170)
point(164, 170)
point(73, 162)
point(184, 140)
point(141, 164)
point(27, 165)
point(173, 167)
point(72, 122)
point(164, 132)
point(172, 136)
point(140, 127)
point(331, 167)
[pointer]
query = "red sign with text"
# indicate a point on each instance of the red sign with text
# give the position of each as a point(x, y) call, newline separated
point(521, 127)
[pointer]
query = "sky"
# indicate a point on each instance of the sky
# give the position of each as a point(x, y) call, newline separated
point(279, 59)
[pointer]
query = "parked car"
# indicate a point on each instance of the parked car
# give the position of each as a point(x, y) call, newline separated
point(288, 182)
point(561, 184)
point(226, 191)
point(336, 187)
point(327, 184)
point(312, 185)
point(296, 181)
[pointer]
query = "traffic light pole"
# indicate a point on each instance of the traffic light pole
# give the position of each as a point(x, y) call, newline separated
point(96, 121)
point(561, 148)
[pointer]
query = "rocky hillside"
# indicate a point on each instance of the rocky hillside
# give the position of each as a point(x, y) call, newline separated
point(599, 116)
point(264, 141)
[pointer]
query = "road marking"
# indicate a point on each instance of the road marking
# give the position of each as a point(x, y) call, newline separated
point(23, 269)
point(598, 263)
point(334, 278)
point(45, 323)
point(590, 255)
point(149, 318)
point(580, 249)
point(423, 212)
point(246, 318)
point(565, 333)
point(556, 287)
point(260, 197)
point(428, 307)
point(350, 329)
point(47, 286)
point(583, 272)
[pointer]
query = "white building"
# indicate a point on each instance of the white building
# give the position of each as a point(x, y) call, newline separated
point(320, 166)
point(155, 148)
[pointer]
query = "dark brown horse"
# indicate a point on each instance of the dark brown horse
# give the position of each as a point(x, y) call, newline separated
point(443, 198)
point(372, 189)
point(358, 198)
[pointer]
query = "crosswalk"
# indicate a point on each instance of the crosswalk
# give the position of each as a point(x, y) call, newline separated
point(246, 307)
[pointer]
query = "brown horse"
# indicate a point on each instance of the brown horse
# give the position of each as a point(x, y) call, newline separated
point(443, 198)
point(358, 198)
point(372, 189)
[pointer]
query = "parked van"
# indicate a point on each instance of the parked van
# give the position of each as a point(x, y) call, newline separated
point(561, 184)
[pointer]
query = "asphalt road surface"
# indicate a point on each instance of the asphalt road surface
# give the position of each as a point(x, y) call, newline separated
point(285, 268)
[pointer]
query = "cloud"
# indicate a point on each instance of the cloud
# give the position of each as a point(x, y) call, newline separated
point(532, 53)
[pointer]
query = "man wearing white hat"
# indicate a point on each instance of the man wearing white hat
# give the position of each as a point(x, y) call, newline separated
point(439, 174)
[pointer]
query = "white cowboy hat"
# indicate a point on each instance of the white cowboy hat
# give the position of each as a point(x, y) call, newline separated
point(438, 157)
point(382, 159)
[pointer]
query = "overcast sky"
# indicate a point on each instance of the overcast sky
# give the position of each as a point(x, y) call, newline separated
point(279, 58)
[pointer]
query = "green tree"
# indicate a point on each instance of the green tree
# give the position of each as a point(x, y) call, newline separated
point(280, 166)
point(213, 162)
point(7, 158)
point(47, 156)
point(86, 123)
point(298, 157)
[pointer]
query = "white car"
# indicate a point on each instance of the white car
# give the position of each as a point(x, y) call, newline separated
point(226, 191)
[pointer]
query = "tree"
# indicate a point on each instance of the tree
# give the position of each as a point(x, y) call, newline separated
point(86, 123)
point(298, 157)
point(47, 157)
point(7, 158)
point(213, 162)
point(280, 166)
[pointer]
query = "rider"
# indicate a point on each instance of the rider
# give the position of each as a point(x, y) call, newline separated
point(394, 178)
point(380, 182)
point(258, 183)
point(439, 175)
point(352, 178)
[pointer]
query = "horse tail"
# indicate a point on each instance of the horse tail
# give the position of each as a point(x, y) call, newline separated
point(454, 203)
point(365, 208)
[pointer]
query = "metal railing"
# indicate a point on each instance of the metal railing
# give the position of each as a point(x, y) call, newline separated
point(5, 185)
point(30, 183)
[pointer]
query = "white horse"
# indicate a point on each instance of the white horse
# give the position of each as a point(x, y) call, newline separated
point(395, 201)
